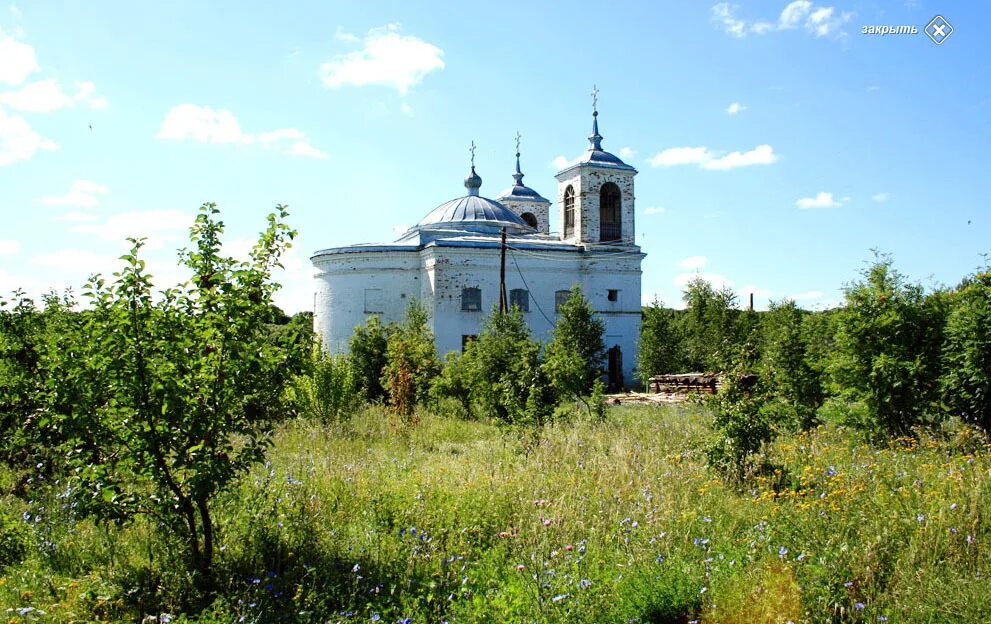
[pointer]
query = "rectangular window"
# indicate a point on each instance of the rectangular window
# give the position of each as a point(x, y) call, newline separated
point(560, 298)
point(612, 295)
point(465, 339)
point(520, 298)
point(471, 299)
point(374, 303)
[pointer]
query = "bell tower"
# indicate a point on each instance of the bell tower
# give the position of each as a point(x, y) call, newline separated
point(595, 194)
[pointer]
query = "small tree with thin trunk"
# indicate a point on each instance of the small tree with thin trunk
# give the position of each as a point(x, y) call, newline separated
point(179, 391)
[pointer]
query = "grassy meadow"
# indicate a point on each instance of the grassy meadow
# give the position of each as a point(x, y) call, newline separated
point(613, 521)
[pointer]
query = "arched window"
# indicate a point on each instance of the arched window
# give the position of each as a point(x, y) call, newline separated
point(530, 219)
point(561, 298)
point(569, 211)
point(610, 202)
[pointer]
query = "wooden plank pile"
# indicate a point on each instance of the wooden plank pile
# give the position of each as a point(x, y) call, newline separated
point(684, 382)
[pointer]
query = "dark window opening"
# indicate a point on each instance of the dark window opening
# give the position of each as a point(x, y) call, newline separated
point(610, 204)
point(520, 298)
point(560, 298)
point(471, 299)
point(569, 212)
point(530, 219)
point(612, 295)
point(465, 339)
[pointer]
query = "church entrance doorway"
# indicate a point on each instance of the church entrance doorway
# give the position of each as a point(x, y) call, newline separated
point(615, 369)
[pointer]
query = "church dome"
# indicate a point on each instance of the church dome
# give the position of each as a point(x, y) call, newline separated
point(474, 210)
point(595, 155)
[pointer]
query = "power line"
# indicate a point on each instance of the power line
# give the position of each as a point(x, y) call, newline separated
point(541, 310)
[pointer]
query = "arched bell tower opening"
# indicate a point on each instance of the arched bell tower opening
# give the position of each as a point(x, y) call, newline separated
point(569, 211)
point(610, 213)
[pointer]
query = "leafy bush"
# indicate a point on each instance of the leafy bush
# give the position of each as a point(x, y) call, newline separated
point(888, 342)
point(708, 326)
point(508, 382)
point(743, 417)
point(659, 348)
point(163, 402)
point(330, 392)
point(790, 374)
point(367, 351)
point(454, 384)
point(966, 381)
point(411, 362)
point(575, 354)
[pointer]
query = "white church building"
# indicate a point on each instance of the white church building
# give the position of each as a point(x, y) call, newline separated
point(450, 261)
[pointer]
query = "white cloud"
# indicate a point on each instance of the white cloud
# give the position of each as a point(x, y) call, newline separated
point(304, 148)
point(652, 210)
point(17, 61)
point(822, 200)
point(206, 125)
point(406, 109)
point(562, 162)
point(680, 156)
point(76, 216)
point(82, 194)
point(706, 159)
point(45, 96)
point(76, 259)
point(341, 35)
point(18, 141)
point(735, 108)
point(387, 58)
point(810, 295)
point(693, 262)
point(626, 153)
point(820, 21)
point(9, 247)
point(158, 226)
point(873, 88)
point(725, 14)
point(760, 155)
point(881, 197)
point(203, 124)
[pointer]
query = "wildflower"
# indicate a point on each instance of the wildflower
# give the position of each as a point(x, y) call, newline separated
point(800, 557)
point(882, 618)
point(376, 617)
point(953, 506)
point(953, 530)
point(503, 534)
point(921, 517)
point(858, 606)
point(660, 559)
point(560, 597)
point(848, 584)
point(584, 583)
point(831, 471)
point(569, 548)
point(520, 567)
point(706, 519)
point(547, 522)
point(782, 551)
point(703, 590)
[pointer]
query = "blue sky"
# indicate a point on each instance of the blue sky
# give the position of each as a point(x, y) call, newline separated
point(776, 142)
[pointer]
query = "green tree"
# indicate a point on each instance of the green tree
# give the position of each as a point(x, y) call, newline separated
point(887, 352)
point(508, 382)
point(659, 348)
point(966, 381)
point(367, 352)
point(791, 376)
point(329, 392)
point(575, 354)
point(411, 361)
point(708, 325)
point(175, 395)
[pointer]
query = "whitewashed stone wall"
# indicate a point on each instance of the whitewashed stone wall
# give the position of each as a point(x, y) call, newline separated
point(540, 210)
point(438, 274)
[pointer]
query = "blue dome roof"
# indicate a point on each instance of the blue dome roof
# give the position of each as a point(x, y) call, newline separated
point(474, 209)
point(518, 191)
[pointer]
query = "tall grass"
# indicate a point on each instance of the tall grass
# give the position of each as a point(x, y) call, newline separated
point(613, 521)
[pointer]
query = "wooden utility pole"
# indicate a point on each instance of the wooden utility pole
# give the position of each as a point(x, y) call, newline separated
point(503, 308)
